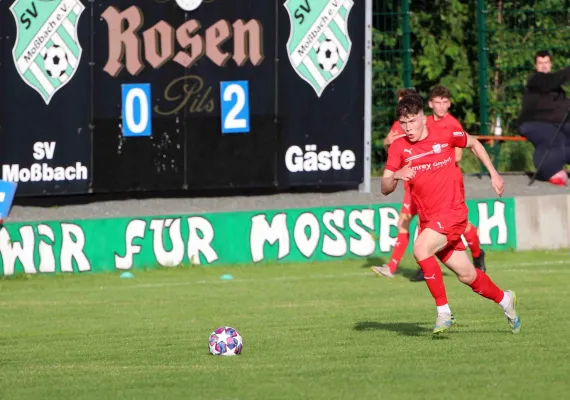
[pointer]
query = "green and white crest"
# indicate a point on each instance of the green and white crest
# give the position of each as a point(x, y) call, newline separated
point(319, 45)
point(47, 50)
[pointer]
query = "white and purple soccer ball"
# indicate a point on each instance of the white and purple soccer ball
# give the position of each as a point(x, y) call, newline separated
point(225, 341)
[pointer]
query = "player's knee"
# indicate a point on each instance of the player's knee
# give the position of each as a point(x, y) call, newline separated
point(468, 276)
point(421, 251)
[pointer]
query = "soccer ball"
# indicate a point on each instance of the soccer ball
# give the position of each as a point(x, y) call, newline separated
point(55, 61)
point(327, 55)
point(225, 341)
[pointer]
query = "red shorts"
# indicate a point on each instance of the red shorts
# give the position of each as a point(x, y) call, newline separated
point(408, 204)
point(452, 230)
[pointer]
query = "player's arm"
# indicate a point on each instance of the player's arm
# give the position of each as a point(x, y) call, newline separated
point(393, 163)
point(393, 171)
point(480, 152)
point(458, 154)
point(389, 139)
point(389, 182)
point(390, 178)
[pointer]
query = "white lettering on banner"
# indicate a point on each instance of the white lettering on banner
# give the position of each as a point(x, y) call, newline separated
point(339, 237)
point(44, 172)
point(365, 245)
point(22, 251)
point(200, 238)
point(488, 223)
point(343, 233)
point(307, 244)
point(72, 245)
point(135, 229)
point(388, 219)
point(336, 247)
point(175, 256)
point(47, 256)
point(200, 245)
point(71, 253)
point(262, 232)
point(336, 232)
point(298, 161)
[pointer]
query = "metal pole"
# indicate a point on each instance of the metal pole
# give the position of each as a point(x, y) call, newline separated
point(365, 186)
point(482, 57)
point(406, 44)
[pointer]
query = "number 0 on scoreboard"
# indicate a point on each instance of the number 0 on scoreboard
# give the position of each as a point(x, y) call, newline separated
point(137, 112)
point(234, 101)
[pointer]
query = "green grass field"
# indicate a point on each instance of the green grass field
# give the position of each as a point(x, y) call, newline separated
point(311, 331)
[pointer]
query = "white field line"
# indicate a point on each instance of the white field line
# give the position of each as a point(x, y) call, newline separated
point(511, 268)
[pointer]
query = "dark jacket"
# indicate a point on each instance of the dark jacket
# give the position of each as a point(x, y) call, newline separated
point(544, 100)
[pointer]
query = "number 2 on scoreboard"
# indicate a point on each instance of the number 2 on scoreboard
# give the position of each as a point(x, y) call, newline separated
point(234, 100)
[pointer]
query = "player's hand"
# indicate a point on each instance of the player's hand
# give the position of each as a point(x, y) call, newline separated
point(498, 184)
point(391, 137)
point(406, 173)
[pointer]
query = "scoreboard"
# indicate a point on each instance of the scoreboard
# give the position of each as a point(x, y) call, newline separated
point(117, 96)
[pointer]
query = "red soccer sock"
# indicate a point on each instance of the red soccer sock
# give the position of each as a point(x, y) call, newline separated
point(484, 286)
point(434, 280)
point(473, 240)
point(399, 250)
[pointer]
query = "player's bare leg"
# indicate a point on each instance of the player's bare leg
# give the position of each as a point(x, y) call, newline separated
point(388, 270)
point(472, 238)
point(481, 284)
point(428, 243)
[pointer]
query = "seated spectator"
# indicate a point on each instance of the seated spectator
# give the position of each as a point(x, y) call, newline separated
point(544, 107)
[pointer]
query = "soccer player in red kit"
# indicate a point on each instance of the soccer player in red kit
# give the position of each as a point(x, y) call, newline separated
point(424, 159)
point(439, 102)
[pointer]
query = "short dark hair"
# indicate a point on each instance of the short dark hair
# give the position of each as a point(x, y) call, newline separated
point(403, 92)
point(410, 104)
point(542, 53)
point(440, 91)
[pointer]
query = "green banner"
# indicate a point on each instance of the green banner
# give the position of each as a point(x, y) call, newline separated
point(289, 235)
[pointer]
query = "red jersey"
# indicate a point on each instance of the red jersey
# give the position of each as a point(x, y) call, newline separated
point(449, 121)
point(437, 188)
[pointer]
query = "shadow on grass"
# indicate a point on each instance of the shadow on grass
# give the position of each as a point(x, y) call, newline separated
point(372, 261)
point(403, 328)
point(412, 329)
point(406, 272)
